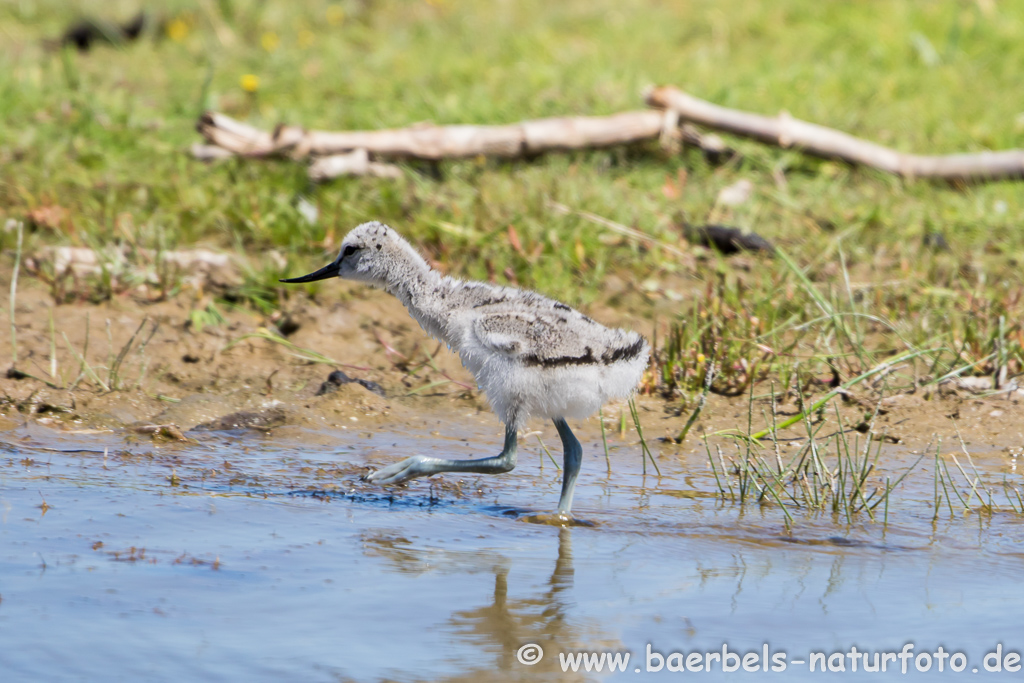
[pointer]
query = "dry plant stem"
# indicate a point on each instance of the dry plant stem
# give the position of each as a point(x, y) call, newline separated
point(53, 347)
point(14, 296)
point(785, 131)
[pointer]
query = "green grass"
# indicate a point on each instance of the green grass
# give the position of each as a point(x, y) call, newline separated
point(105, 135)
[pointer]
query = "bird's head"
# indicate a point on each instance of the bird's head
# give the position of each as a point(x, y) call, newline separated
point(372, 253)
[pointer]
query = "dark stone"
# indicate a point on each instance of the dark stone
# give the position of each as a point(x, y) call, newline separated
point(288, 326)
point(83, 33)
point(338, 378)
point(44, 408)
point(726, 240)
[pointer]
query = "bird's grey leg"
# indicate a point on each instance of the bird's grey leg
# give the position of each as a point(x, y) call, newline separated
point(424, 466)
point(573, 458)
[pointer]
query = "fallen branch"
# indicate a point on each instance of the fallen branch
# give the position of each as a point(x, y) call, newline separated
point(359, 152)
point(785, 131)
point(432, 142)
point(356, 152)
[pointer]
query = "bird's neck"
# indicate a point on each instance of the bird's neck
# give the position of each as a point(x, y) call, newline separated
point(418, 287)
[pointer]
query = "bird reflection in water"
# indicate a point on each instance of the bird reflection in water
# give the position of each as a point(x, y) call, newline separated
point(507, 622)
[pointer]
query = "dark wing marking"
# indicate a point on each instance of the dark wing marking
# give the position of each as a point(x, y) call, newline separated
point(548, 341)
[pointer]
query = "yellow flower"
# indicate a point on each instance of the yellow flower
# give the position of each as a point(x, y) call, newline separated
point(306, 37)
point(177, 29)
point(270, 41)
point(335, 15)
point(250, 83)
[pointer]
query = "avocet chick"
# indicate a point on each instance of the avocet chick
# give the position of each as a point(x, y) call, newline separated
point(531, 356)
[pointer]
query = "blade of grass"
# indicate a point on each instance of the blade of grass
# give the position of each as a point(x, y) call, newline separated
point(305, 354)
point(714, 471)
point(645, 450)
point(604, 440)
point(428, 386)
point(550, 457)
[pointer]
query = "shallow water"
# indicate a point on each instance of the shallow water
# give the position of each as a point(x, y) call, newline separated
point(264, 557)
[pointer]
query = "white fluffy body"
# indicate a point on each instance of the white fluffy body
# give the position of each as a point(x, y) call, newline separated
point(531, 355)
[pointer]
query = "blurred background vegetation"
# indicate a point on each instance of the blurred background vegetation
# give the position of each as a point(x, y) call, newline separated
point(94, 151)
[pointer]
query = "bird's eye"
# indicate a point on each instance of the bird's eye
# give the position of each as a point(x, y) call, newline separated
point(349, 250)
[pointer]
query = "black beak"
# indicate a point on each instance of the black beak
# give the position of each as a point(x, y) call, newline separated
point(330, 270)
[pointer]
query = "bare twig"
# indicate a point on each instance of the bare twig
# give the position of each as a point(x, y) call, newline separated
point(785, 131)
point(427, 141)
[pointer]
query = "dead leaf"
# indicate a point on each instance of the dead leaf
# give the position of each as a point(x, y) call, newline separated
point(513, 239)
point(670, 189)
point(53, 217)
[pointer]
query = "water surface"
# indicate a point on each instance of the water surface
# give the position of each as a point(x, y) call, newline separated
point(246, 556)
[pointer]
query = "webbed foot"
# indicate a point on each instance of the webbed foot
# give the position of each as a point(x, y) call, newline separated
point(402, 471)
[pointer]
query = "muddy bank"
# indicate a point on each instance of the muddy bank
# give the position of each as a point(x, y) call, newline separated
point(126, 365)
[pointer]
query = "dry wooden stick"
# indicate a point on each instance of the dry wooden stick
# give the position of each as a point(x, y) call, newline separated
point(786, 131)
point(432, 142)
point(354, 152)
